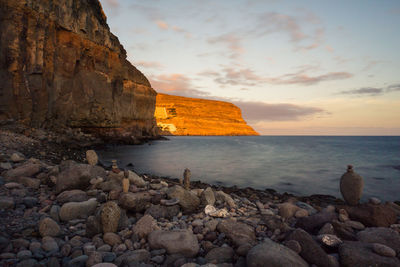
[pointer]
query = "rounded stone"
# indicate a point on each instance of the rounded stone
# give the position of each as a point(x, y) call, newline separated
point(112, 239)
point(383, 250)
point(48, 227)
point(351, 186)
point(92, 157)
point(110, 215)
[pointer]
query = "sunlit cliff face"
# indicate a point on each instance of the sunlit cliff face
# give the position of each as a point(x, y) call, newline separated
point(176, 115)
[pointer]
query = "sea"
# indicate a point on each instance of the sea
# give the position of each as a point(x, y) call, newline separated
point(301, 165)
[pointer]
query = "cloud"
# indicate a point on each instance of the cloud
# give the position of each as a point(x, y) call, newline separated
point(247, 77)
point(149, 64)
point(304, 79)
point(258, 111)
point(175, 84)
point(372, 91)
point(294, 27)
point(232, 41)
point(162, 24)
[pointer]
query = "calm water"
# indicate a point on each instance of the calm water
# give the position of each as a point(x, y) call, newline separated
point(300, 165)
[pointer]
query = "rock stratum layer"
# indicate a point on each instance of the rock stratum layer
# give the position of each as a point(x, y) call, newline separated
point(61, 65)
point(176, 115)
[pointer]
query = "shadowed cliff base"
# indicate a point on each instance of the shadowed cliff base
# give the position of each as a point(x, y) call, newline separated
point(177, 115)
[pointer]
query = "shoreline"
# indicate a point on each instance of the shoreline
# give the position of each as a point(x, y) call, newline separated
point(56, 211)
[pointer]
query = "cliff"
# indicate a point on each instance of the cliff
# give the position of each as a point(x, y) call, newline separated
point(176, 115)
point(61, 65)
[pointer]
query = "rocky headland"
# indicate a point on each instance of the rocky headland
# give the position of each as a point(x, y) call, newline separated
point(55, 211)
point(177, 115)
point(60, 66)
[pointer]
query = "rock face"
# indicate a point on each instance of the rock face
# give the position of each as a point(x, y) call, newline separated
point(60, 64)
point(178, 115)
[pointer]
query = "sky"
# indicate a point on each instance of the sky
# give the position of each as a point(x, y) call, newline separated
point(307, 67)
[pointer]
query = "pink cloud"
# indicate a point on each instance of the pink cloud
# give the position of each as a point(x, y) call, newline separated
point(175, 84)
point(162, 24)
point(232, 41)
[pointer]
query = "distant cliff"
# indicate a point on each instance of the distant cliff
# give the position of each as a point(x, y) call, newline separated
point(176, 115)
point(61, 65)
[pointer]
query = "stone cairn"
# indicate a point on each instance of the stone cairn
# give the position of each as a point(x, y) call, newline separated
point(351, 186)
point(125, 182)
point(186, 179)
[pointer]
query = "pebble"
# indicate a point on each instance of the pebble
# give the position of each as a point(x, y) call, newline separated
point(78, 261)
point(375, 201)
point(24, 254)
point(49, 244)
point(383, 250)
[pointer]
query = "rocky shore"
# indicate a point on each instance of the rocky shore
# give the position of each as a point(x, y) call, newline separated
point(58, 207)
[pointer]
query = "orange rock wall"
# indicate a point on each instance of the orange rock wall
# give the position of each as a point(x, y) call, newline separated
point(176, 115)
point(61, 65)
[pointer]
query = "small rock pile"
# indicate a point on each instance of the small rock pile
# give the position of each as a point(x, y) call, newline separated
point(75, 214)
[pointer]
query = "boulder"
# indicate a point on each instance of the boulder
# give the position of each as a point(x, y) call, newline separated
point(175, 242)
point(92, 157)
point(221, 195)
point(314, 222)
point(26, 181)
point(240, 233)
point(159, 211)
point(273, 254)
point(220, 255)
point(207, 197)
point(28, 169)
point(372, 215)
point(288, 210)
point(78, 210)
point(145, 226)
point(112, 239)
point(77, 176)
point(110, 215)
point(187, 199)
point(48, 227)
point(136, 179)
point(310, 250)
point(136, 202)
point(381, 235)
point(75, 195)
point(353, 253)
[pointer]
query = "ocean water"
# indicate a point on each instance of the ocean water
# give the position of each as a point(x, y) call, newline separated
point(302, 165)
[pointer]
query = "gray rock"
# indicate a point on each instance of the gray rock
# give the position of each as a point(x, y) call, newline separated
point(136, 202)
point(112, 239)
point(207, 197)
point(293, 245)
point(94, 258)
point(24, 254)
point(159, 211)
point(55, 209)
point(315, 222)
point(354, 253)
point(274, 255)
point(220, 255)
point(383, 250)
point(220, 195)
point(93, 226)
point(17, 157)
point(136, 179)
point(145, 226)
point(136, 256)
point(78, 210)
point(310, 250)
point(187, 199)
point(28, 169)
point(175, 242)
point(48, 227)
point(92, 157)
point(26, 181)
point(75, 195)
point(381, 235)
point(330, 240)
point(6, 202)
point(27, 263)
point(5, 165)
point(79, 261)
point(351, 186)
point(110, 215)
point(240, 233)
point(77, 176)
point(49, 244)
point(30, 202)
